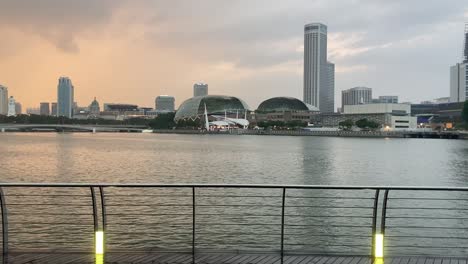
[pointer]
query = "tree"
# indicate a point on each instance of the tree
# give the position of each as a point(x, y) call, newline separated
point(364, 123)
point(163, 121)
point(465, 112)
point(347, 124)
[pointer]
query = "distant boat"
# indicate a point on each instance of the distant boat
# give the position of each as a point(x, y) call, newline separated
point(147, 131)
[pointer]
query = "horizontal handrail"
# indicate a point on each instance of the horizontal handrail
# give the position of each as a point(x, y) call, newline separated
point(252, 186)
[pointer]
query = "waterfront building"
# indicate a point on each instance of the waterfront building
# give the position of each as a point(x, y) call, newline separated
point(11, 106)
point(356, 96)
point(284, 109)
point(216, 105)
point(45, 108)
point(94, 108)
point(442, 100)
point(438, 112)
point(65, 97)
point(18, 108)
point(318, 72)
point(53, 109)
point(3, 100)
point(165, 103)
point(200, 89)
point(388, 116)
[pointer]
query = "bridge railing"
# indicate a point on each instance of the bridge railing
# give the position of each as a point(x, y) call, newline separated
point(283, 220)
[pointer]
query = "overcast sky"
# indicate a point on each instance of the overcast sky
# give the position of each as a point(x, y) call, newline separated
point(131, 51)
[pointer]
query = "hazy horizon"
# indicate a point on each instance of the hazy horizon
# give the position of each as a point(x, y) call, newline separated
point(132, 51)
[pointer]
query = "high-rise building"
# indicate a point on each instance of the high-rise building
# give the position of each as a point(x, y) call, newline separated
point(3, 100)
point(200, 89)
point(53, 109)
point(18, 108)
point(165, 103)
point(11, 106)
point(327, 97)
point(45, 108)
point(459, 75)
point(355, 96)
point(317, 71)
point(65, 96)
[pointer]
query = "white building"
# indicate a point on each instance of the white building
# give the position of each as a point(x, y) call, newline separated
point(3, 100)
point(459, 82)
point(400, 114)
point(11, 106)
point(200, 89)
point(317, 76)
point(356, 96)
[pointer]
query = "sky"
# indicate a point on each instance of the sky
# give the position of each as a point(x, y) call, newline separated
point(130, 51)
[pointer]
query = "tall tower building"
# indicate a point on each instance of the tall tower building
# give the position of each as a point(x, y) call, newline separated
point(53, 109)
point(11, 106)
point(65, 96)
point(18, 108)
point(200, 89)
point(317, 71)
point(459, 75)
point(3, 100)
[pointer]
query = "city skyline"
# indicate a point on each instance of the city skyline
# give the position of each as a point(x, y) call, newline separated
point(123, 51)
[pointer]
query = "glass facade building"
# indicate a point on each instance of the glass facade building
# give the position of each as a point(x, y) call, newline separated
point(65, 96)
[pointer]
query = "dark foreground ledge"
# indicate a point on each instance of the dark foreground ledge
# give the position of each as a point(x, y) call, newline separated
point(118, 258)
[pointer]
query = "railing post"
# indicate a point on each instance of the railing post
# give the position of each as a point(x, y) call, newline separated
point(384, 212)
point(282, 223)
point(3, 208)
point(95, 216)
point(193, 225)
point(104, 216)
point(374, 220)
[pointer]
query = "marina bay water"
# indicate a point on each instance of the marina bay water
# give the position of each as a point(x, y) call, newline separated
point(324, 221)
point(159, 158)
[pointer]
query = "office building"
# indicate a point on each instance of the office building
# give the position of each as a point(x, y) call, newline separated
point(165, 103)
point(386, 99)
point(53, 109)
point(318, 72)
point(3, 100)
point(459, 75)
point(65, 96)
point(356, 96)
point(45, 108)
point(200, 89)
point(18, 108)
point(11, 106)
point(33, 111)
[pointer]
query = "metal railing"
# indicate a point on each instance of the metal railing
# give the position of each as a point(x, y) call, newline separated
point(186, 218)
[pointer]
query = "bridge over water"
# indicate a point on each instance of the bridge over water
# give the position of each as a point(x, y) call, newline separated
point(74, 128)
point(156, 223)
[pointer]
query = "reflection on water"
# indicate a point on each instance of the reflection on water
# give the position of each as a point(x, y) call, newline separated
point(231, 159)
point(226, 219)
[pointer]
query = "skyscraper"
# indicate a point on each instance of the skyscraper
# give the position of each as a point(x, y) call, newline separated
point(355, 96)
point(65, 94)
point(165, 103)
point(53, 109)
point(3, 100)
point(11, 106)
point(200, 89)
point(317, 70)
point(459, 74)
point(45, 108)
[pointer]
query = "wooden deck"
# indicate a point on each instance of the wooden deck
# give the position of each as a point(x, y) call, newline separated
point(117, 258)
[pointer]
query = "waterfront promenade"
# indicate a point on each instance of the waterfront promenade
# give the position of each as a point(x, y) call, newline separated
point(187, 223)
